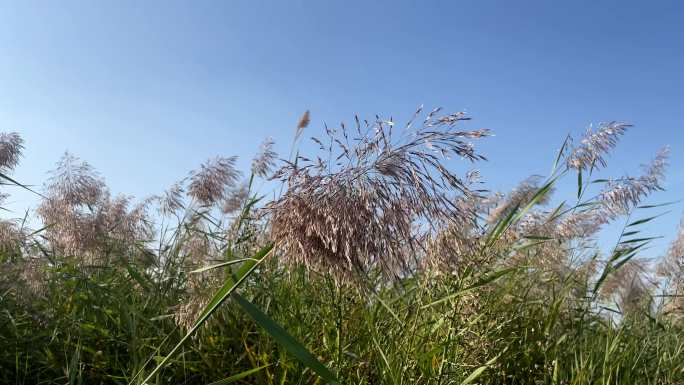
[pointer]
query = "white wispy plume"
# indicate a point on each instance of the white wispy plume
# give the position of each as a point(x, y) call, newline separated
point(209, 184)
point(595, 145)
point(11, 146)
point(359, 208)
point(263, 163)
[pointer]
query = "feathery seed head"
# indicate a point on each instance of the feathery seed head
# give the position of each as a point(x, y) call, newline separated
point(11, 145)
point(265, 159)
point(623, 194)
point(75, 182)
point(209, 184)
point(302, 124)
point(235, 199)
point(629, 286)
point(519, 196)
point(361, 208)
point(595, 145)
point(172, 199)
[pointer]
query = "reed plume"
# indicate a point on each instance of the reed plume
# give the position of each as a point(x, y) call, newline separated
point(172, 199)
point(235, 199)
point(11, 147)
point(618, 198)
point(671, 267)
point(365, 201)
point(630, 286)
point(595, 145)
point(302, 124)
point(518, 197)
point(208, 185)
point(622, 194)
point(83, 220)
point(264, 162)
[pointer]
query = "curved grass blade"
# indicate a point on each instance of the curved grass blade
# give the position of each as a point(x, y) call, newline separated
point(286, 340)
point(516, 214)
point(14, 182)
point(646, 220)
point(240, 376)
point(474, 375)
point(566, 142)
point(659, 205)
point(228, 288)
point(205, 268)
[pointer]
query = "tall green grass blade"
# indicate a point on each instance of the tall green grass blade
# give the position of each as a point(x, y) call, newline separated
point(561, 151)
point(579, 183)
point(236, 278)
point(515, 215)
point(645, 220)
point(389, 309)
point(659, 205)
point(240, 376)
point(637, 240)
point(385, 360)
point(14, 182)
point(228, 288)
point(538, 196)
point(233, 262)
point(474, 375)
point(286, 340)
point(500, 227)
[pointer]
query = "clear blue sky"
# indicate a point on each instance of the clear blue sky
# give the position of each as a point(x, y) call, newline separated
point(145, 91)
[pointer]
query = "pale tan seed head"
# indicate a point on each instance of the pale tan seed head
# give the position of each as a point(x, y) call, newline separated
point(11, 146)
point(263, 163)
point(595, 145)
point(375, 196)
point(209, 184)
point(304, 121)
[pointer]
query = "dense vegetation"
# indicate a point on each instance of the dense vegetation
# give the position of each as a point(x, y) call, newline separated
point(372, 263)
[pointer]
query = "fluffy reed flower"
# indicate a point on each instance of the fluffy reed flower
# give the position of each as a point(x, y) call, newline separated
point(73, 188)
point(302, 124)
point(124, 221)
point(580, 224)
point(671, 267)
point(186, 314)
point(518, 197)
point(454, 248)
point(360, 209)
point(172, 199)
point(595, 145)
point(75, 182)
point(33, 276)
point(11, 240)
point(629, 286)
point(196, 248)
point(11, 146)
point(208, 185)
point(623, 194)
point(617, 198)
point(263, 163)
point(26, 276)
point(235, 199)
point(83, 220)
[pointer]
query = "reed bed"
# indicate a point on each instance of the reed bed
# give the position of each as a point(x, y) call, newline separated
point(370, 261)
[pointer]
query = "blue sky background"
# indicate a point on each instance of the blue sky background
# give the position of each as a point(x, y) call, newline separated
point(146, 91)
